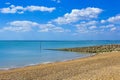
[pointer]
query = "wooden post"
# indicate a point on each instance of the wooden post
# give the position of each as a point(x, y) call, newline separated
point(40, 47)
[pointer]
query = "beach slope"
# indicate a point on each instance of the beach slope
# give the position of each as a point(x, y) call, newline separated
point(105, 66)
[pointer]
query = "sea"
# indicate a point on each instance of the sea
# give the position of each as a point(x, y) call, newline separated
point(15, 54)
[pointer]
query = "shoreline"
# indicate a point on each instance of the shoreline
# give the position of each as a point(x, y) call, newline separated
point(103, 66)
point(45, 63)
point(38, 64)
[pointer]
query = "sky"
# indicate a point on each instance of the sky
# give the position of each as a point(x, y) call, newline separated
point(60, 20)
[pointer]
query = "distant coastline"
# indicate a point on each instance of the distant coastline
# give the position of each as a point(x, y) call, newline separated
point(58, 40)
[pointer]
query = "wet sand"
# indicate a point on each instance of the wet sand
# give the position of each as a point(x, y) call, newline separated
point(105, 66)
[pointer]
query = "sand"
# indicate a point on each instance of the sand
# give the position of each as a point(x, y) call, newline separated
point(104, 66)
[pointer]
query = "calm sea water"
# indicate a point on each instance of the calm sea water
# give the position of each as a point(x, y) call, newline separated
point(23, 53)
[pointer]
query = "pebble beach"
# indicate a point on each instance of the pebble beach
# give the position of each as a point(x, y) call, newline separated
point(104, 66)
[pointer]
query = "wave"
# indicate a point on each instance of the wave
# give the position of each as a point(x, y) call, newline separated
point(47, 62)
point(8, 68)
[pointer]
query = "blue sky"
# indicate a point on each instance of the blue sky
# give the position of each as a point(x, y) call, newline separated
point(59, 20)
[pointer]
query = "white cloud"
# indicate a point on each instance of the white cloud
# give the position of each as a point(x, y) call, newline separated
point(21, 9)
point(114, 20)
point(24, 26)
point(12, 9)
point(113, 29)
point(23, 23)
point(103, 21)
point(51, 28)
point(76, 15)
point(39, 8)
point(58, 1)
point(89, 23)
point(111, 24)
point(92, 27)
point(17, 29)
point(110, 27)
point(7, 3)
point(20, 26)
point(86, 26)
point(107, 26)
point(95, 27)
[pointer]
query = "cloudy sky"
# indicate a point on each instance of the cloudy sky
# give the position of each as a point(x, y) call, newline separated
point(60, 20)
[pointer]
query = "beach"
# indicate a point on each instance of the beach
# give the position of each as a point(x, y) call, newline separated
point(59, 40)
point(104, 66)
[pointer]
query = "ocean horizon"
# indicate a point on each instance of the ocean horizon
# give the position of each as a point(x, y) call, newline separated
point(20, 53)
